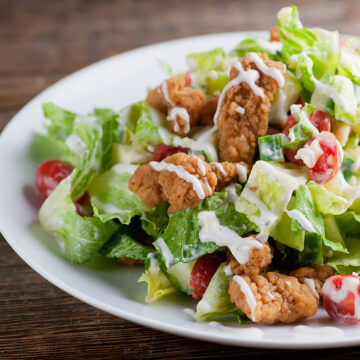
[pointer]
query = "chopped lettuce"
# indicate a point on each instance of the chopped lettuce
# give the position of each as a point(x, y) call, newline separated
point(83, 237)
point(180, 239)
point(121, 244)
point(157, 283)
point(266, 195)
point(271, 48)
point(208, 69)
point(216, 299)
point(347, 263)
point(303, 130)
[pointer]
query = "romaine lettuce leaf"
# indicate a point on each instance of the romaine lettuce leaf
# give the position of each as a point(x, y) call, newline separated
point(121, 244)
point(216, 299)
point(157, 283)
point(83, 237)
point(257, 45)
point(180, 240)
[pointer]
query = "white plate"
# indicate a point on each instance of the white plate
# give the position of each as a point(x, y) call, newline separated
point(116, 82)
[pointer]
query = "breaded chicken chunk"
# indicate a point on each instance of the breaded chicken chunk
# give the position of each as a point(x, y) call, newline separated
point(244, 106)
point(274, 34)
point(207, 113)
point(259, 259)
point(319, 274)
point(228, 173)
point(182, 103)
point(272, 298)
point(181, 179)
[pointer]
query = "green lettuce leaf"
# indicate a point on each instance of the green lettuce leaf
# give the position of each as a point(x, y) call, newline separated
point(180, 240)
point(216, 299)
point(158, 284)
point(83, 237)
point(121, 244)
point(271, 48)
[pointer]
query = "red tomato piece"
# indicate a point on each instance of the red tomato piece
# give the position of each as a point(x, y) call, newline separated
point(202, 272)
point(321, 120)
point(162, 151)
point(83, 205)
point(341, 296)
point(187, 79)
point(49, 174)
point(328, 164)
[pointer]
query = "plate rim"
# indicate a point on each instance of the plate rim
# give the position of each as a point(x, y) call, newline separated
point(120, 312)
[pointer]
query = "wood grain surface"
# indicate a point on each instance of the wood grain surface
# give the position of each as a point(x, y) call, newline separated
point(41, 41)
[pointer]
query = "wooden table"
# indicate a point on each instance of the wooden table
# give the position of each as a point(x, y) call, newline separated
point(41, 42)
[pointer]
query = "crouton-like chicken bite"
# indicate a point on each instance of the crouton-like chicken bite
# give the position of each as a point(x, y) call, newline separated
point(181, 103)
point(259, 259)
point(318, 274)
point(183, 180)
point(208, 111)
point(273, 298)
point(244, 105)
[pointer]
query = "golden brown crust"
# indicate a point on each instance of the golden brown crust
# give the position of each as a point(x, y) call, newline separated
point(318, 273)
point(278, 297)
point(145, 182)
point(154, 186)
point(207, 113)
point(238, 132)
point(274, 34)
point(228, 175)
point(259, 259)
point(180, 96)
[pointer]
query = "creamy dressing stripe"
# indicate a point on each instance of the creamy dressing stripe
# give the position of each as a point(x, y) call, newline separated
point(250, 298)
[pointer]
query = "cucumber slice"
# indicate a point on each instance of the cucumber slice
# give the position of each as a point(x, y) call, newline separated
point(270, 147)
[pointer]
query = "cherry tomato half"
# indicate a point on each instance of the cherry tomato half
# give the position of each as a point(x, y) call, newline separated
point(318, 118)
point(328, 164)
point(202, 272)
point(341, 296)
point(49, 174)
point(162, 151)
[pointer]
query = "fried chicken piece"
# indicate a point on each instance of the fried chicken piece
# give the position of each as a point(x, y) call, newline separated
point(272, 298)
point(228, 173)
point(318, 273)
point(156, 182)
point(243, 115)
point(258, 260)
point(274, 34)
point(129, 262)
point(182, 103)
point(208, 111)
point(145, 182)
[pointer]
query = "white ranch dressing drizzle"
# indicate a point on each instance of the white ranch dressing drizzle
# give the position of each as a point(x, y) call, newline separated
point(228, 271)
point(248, 76)
point(124, 168)
point(311, 285)
point(270, 71)
point(206, 182)
point(181, 113)
point(165, 91)
point(250, 298)
point(232, 193)
point(323, 330)
point(240, 110)
point(203, 306)
point(220, 168)
point(197, 145)
point(212, 231)
point(182, 174)
point(295, 112)
point(200, 165)
point(154, 264)
point(75, 144)
point(310, 154)
point(242, 172)
point(300, 217)
point(165, 251)
point(271, 46)
point(265, 149)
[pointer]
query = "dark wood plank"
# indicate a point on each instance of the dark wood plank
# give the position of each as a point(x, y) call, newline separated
point(42, 41)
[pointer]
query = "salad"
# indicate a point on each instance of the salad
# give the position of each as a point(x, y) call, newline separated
point(236, 182)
